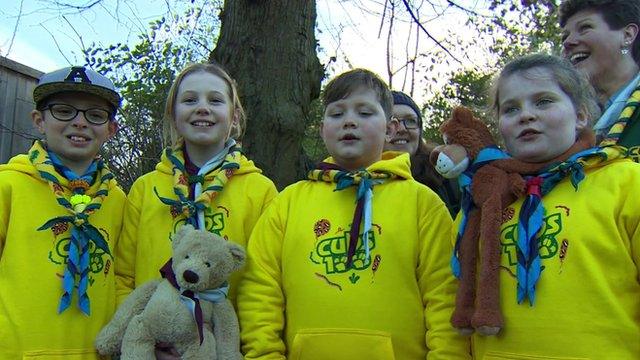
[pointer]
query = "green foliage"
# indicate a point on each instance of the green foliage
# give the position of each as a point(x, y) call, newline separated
point(519, 27)
point(143, 73)
point(467, 88)
point(522, 27)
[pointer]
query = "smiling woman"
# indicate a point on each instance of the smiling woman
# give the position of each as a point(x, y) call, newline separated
point(409, 139)
point(600, 38)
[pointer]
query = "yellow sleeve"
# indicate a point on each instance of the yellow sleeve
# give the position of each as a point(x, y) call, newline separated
point(260, 297)
point(270, 194)
point(630, 216)
point(125, 262)
point(5, 213)
point(438, 285)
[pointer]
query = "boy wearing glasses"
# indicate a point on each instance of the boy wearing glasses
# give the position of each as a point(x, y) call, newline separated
point(60, 219)
point(352, 263)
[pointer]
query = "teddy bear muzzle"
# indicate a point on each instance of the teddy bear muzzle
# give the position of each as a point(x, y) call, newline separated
point(190, 277)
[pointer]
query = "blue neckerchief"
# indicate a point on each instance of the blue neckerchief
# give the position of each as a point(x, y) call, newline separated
point(364, 181)
point(532, 212)
point(69, 174)
point(212, 164)
point(364, 195)
point(614, 107)
point(195, 207)
point(78, 256)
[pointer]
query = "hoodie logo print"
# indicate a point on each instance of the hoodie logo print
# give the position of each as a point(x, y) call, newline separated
point(99, 260)
point(548, 244)
point(332, 252)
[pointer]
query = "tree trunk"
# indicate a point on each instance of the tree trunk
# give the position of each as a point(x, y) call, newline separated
point(269, 48)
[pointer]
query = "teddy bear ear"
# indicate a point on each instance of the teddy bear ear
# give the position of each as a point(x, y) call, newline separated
point(237, 253)
point(181, 233)
point(463, 115)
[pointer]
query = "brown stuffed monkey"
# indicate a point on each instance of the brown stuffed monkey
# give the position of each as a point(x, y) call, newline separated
point(494, 186)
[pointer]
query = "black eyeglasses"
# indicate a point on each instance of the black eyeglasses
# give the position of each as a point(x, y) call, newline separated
point(64, 112)
point(408, 122)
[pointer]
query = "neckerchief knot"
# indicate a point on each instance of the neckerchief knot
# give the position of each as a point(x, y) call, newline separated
point(196, 179)
point(530, 219)
point(71, 195)
point(533, 186)
point(212, 182)
point(364, 181)
point(191, 299)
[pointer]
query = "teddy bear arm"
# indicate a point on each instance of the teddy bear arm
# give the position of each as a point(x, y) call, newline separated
point(109, 340)
point(138, 343)
point(226, 330)
point(196, 351)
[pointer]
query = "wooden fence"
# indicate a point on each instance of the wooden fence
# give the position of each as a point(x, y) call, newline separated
point(16, 103)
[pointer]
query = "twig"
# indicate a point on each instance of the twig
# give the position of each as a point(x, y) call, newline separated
point(15, 28)
point(384, 13)
point(57, 45)
point(467, 10)
point(413, 16)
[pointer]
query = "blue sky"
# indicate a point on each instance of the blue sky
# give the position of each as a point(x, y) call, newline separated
point(47, 38)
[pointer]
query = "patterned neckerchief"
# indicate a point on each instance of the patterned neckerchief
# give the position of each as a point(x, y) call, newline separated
point(73, 197)
point(530, 219)
point(212, 183)
point(532, 210)
point(614, 134)
point(364, 181)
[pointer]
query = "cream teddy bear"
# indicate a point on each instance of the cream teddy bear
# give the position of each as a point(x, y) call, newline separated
point(174, 309)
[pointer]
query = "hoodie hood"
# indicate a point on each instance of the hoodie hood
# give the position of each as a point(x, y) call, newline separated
point(393, 162)
point(246, 166)
point(21, 163)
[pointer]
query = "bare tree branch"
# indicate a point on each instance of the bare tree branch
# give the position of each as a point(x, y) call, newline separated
point(389, 44)
point(472, 12)
point(56, 43)
point(438, 43)
point(80, 8)
point(82, 47)
point(15, 28)
point(384, 12)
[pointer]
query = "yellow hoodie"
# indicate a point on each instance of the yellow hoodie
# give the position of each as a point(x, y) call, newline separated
point(297, 300)
point(149, 224)
point(32, 263)
point(588, 297)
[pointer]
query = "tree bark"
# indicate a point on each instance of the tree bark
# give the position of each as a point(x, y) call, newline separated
point(269, 48)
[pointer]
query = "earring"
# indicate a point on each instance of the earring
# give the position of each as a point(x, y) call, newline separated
point(625, 48)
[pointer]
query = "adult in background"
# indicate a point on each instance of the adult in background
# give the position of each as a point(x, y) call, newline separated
point(600, 38)
point(409, 139)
